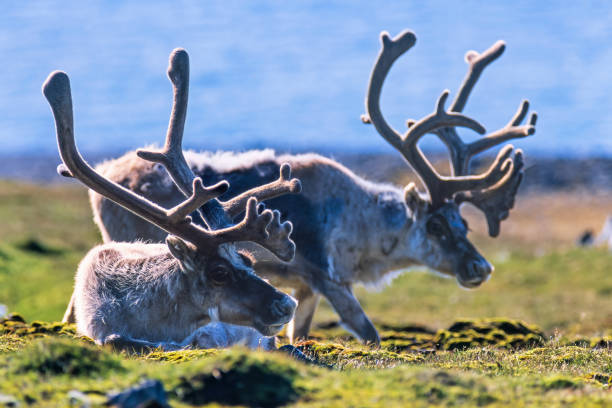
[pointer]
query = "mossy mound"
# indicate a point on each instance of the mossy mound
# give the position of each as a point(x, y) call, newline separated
point(56, 356)
point(600, 378)
point(340, 356)
point(463, 334)
point(180, 356)
point(241, 379)
point(604, 342)
point(407, 341)
point(498, 333)
point(16, 325)
point(37, 247)
point(560, 382)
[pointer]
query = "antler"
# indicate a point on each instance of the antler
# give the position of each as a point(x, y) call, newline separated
point(439, 187)
point(262, 227)
point(171, 156)
point(494, 202)
point(497, 201)
point(216, 213)
point(57, 91)
point(175, 220)
point(283, 185)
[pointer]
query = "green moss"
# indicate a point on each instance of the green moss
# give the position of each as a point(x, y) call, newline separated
point(495, 332)
point(15, 325)
point(599, 378)
point(37, 246)
point(241, 379)
point(53, 356)
point(340, 356)
point(560, 382)
point(180, 356)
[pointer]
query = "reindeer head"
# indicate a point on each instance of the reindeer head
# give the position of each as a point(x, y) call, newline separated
point(220, 281)
point(224, 286)
point(436, 219)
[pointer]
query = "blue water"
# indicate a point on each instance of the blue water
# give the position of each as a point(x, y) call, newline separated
point(292, 75)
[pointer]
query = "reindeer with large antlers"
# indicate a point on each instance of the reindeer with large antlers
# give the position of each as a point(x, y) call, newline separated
point(349, 230)
point(137, 295)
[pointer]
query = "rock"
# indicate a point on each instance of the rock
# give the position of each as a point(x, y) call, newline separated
point(585, 239)
point(78, 398)
point(149, 394)
point(8, 401)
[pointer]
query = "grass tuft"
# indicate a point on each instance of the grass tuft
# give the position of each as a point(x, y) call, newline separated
point(241, 379)
point(56, 356)
point(356, 356)
point(37, 247)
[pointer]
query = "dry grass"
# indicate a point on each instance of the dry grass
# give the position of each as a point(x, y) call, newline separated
point(541, 222)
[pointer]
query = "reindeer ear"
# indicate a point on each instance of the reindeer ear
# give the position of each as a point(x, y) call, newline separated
point(413, 199)
point(182, 251)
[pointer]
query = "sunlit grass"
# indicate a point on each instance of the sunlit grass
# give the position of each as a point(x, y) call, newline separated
point(566, 293)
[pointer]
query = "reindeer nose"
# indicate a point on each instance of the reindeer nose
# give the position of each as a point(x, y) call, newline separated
point(480, 268)
point(284, 307)
point(478, 271)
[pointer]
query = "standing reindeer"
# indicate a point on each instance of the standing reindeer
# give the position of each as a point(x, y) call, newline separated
point(137, 295)
point(349, 230)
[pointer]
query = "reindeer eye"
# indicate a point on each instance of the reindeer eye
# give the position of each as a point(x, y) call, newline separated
point(435, 227)
point(219, 275)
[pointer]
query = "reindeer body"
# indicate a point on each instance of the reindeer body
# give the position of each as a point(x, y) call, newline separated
point(140, 294)
point(347, 230)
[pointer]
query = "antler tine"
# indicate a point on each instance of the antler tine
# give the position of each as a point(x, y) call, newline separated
point(279, 233)
point(171, 156)
point(477, 63)
point(512, 130)
point(263, 228)
point(283, 185)
point(57, 91)
point(497, 201)
point(391, 50)
point(199, 197)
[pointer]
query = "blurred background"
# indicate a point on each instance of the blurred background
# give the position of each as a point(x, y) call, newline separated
point(292, 76)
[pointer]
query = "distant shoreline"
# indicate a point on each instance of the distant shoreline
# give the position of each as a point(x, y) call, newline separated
point(542, 172)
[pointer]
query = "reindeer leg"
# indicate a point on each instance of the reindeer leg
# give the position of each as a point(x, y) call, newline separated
point(307, 304)
point(119, 342)
point(353, 317)
point(69, 316)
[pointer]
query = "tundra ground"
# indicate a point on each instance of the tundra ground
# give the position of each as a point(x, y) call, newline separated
point(536, 334)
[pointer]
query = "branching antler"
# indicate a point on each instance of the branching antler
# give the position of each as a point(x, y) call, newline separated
point(494, 202)
point(493, 192)
point(171, 156)
point(262, 228)
point(57, 91)
point(439, 187)
point(497, 201)
point(216, 213)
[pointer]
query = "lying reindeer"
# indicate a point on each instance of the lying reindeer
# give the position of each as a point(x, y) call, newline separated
point(349, 230)
point(137, 295)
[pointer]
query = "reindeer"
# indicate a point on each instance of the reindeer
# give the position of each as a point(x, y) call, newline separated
point(350, 230)
point(138, 295)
